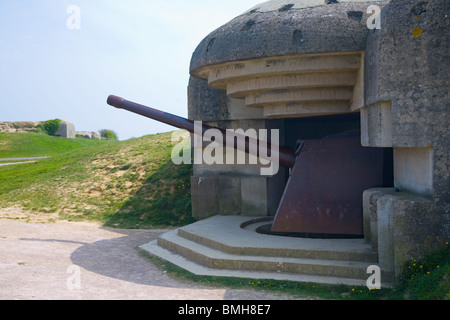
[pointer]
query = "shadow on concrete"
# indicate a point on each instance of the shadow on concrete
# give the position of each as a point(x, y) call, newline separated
point(118, 258)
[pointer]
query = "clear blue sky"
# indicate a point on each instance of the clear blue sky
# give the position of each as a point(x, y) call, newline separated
point(137, 49)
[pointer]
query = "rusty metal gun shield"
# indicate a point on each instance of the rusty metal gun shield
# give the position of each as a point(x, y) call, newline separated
point(324, 192)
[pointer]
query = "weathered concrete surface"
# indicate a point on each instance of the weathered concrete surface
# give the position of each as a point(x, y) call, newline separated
point(39, 262)
point(289, 27)
point(207, 248)
point(400, 226)
point(407, 76)
point(66, 130)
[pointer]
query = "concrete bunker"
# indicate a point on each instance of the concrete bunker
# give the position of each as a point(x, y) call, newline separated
point(281, 65)
point(320, 73)
point(315, 68)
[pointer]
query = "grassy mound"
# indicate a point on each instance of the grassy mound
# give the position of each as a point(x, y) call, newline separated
point(127, 184)
point(16, 145)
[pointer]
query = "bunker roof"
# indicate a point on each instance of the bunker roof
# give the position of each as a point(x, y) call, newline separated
point(287, 27)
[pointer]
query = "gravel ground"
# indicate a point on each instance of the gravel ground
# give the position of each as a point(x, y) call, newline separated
point(85, 261)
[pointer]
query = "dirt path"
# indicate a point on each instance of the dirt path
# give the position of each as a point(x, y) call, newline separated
point(13, 161)
point(23, 159)
point(85, 261)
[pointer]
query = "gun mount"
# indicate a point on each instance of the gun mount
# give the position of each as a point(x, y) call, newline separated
point(323, 195)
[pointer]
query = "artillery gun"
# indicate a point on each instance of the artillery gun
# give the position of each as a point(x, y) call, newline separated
point(327, 177)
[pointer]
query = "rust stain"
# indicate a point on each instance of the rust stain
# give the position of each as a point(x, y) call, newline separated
point(417, 32)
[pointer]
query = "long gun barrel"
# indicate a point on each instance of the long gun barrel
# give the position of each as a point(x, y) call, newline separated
point(328, 176)
point(286, 155)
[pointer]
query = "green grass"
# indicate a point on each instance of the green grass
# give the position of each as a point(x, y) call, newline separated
point(127, 184)
point(423, 279)
point(428, 278)
point(16, 145)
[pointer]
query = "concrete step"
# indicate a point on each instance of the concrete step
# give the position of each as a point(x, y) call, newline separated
point(229, 246)
point(237, 235)
point(200, 270)
point(216, 259)
point(287, 247)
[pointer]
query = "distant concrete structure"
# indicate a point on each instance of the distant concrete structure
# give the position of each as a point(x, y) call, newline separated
point(66, 130)
point(89, 134)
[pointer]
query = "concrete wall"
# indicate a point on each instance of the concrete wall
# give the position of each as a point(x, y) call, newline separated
point(234, 189)
point(66, 130)
point(407, 70)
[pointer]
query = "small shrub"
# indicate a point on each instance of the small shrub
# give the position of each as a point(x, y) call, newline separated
point(50, 127)
point(108, 134)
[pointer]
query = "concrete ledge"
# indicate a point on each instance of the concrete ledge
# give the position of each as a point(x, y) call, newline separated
point(227, 234)
point(398, 225)
point(228, 246)
point(194, 268)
